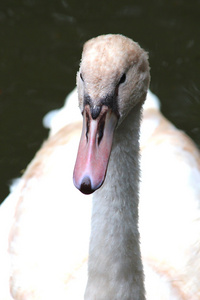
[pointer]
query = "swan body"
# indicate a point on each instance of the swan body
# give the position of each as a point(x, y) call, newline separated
point(45, 221)
point(170, 167)
point(38, 265)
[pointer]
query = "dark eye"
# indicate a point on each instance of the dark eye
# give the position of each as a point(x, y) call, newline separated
point(122, 79)
point(81, 76)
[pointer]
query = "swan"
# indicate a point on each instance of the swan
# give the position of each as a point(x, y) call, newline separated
point(169, 158)
point(47, 219)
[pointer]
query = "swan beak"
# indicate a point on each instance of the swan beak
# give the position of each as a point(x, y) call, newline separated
point(94, 149)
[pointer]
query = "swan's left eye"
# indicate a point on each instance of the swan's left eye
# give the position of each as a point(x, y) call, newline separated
point(81, 76)
point(122, 79)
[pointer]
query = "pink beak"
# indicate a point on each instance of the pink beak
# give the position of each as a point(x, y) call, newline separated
point(94, 150)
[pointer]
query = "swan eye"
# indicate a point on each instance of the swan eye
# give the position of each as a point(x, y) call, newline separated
point(81, 76)
point(122, 79)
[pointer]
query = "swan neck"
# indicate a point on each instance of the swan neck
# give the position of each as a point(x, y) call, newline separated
point(115, 267)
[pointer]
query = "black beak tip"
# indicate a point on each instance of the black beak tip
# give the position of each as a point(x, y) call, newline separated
point(86, 186)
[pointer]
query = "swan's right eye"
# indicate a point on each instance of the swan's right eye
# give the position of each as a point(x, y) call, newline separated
point(122, 79)
point(81, 76)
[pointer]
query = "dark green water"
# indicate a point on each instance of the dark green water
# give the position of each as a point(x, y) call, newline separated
point(40, 48)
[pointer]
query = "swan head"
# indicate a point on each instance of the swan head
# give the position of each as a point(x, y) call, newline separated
point(112, 79)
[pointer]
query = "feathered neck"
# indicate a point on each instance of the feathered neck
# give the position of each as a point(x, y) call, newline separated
point(115, 267)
